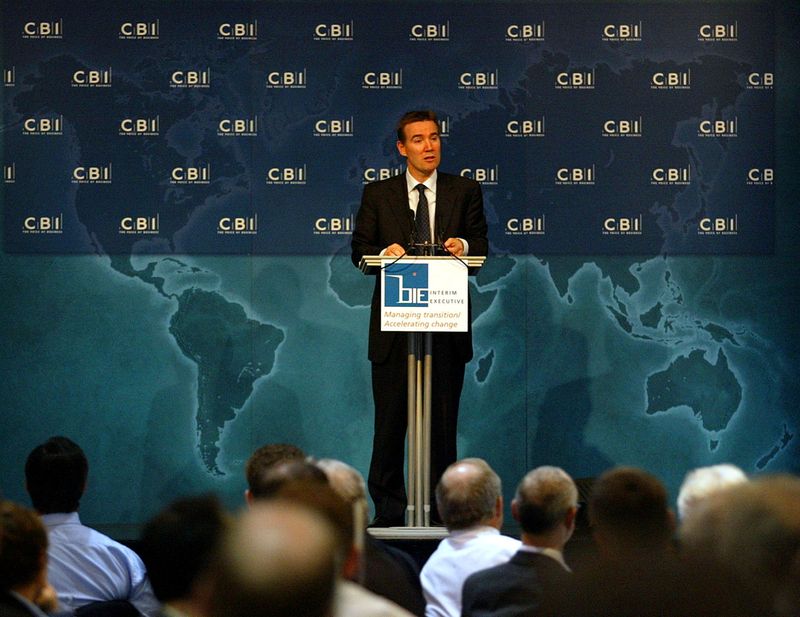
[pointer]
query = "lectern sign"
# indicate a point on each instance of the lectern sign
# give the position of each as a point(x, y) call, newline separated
point(425, 295)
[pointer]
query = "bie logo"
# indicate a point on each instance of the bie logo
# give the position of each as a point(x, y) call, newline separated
point(623, 226)
point(340, 127)
point(760, 81)
point(138, 225)
point(43, 126)
point(718, 128)
point(372, 174)
point(484, 175)
point(485, 80)
point(576, 80)
point(570, 176)
point(139, 126)
point(333, 32)
point(525, 128)
point(43, 224)
point(10, 173)
point(238, 31)
point(430, 32)
point(43, 30)
point(91, 79)
point(139, 30)
point(718, 32)
point(191, 175)
point(623, 128)
point(238, 127)
point(97, 174)
point(760, 177)
point(190, 79)
point(335, 226)
point(719, 226)
point(406, 286)
point(287, 79)
point(671, 175)
point(238, 225)
point(525, 33)
point(383, 80)
point(10, 77)
point(622, 32)
point(529, 226)
point(287, 175)
point(671, 80)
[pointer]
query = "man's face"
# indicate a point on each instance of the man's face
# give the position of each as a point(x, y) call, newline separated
point(422, 148)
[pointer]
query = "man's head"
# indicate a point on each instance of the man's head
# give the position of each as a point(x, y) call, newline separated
point(268, 456)
point(23, 548)
point(267, 484)
point(279, 559)
point(702, 482)
point(628, 510)
point(178, 544)
point(469, 494)
point(545, 505)
point(348, 484)
point(55, 475)
point(418, 141)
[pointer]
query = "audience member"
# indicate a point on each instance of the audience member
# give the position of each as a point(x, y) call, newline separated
point(470, 500)
point(278, 560)
point(546, 504)
point(702, 482)
point(264, 459)
point(24, 590)
point(84, 566)
point(384, 570)
point(177, 546)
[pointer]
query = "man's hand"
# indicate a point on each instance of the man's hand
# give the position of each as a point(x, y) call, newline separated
point(455, 246)
point(394, 250)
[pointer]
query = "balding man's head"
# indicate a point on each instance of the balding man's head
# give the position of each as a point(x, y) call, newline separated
point(469, 494)
point(545, 497)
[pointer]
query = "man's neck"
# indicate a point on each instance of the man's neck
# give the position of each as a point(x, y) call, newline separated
point(552, 540)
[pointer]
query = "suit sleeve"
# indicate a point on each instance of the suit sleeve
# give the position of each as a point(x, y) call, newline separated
point(475, 228)
point(366, 239)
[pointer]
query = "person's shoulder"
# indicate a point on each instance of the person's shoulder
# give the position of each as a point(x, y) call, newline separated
point(454, 180)
point(391, 183)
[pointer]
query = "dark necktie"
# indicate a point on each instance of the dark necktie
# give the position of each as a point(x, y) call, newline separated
point(422, 220)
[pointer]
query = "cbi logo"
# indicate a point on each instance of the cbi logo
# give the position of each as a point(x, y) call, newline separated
point(760, 81)
point(92, 79)
point(334, 127)
point(139, 127)
point(43, 29)
point(718, 226)
point(622, 32)
point(718, 32)
point(138, 225)
point(574, 176)
point(528, 226)
point(238, 127)
point(334, 32)
point(238, 225)
point(718, 128)
point(10, 173)
point(10, 77)
point(382, 80)
point(623, 128)
point(623, 226)
point(667, 176)
point(373, 174)
point(287, 175)
point(191, 175)
point(287, 79)
point(485, 80)
point(430, 32)
point(760, 177)
point(333, 226)
point(671, 80)
point(485, 175)
point(139, 30)
point(53, 125)
point(576, 80)
point(190, 79)
point(246, 31)
point(525, 33)
point(525, 128)
point(95, 174)
point(43, 224)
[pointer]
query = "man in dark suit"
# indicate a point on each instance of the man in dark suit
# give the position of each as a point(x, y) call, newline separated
point(545, 505)
point(423, 204)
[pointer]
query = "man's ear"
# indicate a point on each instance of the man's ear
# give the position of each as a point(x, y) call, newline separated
point(248, 497)
point(515, 509)
point(401, 148)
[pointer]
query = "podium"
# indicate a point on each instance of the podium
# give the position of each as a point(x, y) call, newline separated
point(420, 295)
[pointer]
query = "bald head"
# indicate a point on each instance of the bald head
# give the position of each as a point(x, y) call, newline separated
point(469, 494)
point(544, 498)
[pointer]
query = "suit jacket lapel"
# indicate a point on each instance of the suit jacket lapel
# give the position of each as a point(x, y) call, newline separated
point(444, 207)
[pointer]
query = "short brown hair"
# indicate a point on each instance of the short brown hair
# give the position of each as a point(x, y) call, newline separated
point(23, 544)
point(420, 115)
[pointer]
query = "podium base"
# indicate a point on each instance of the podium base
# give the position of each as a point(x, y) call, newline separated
point(408, 533)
